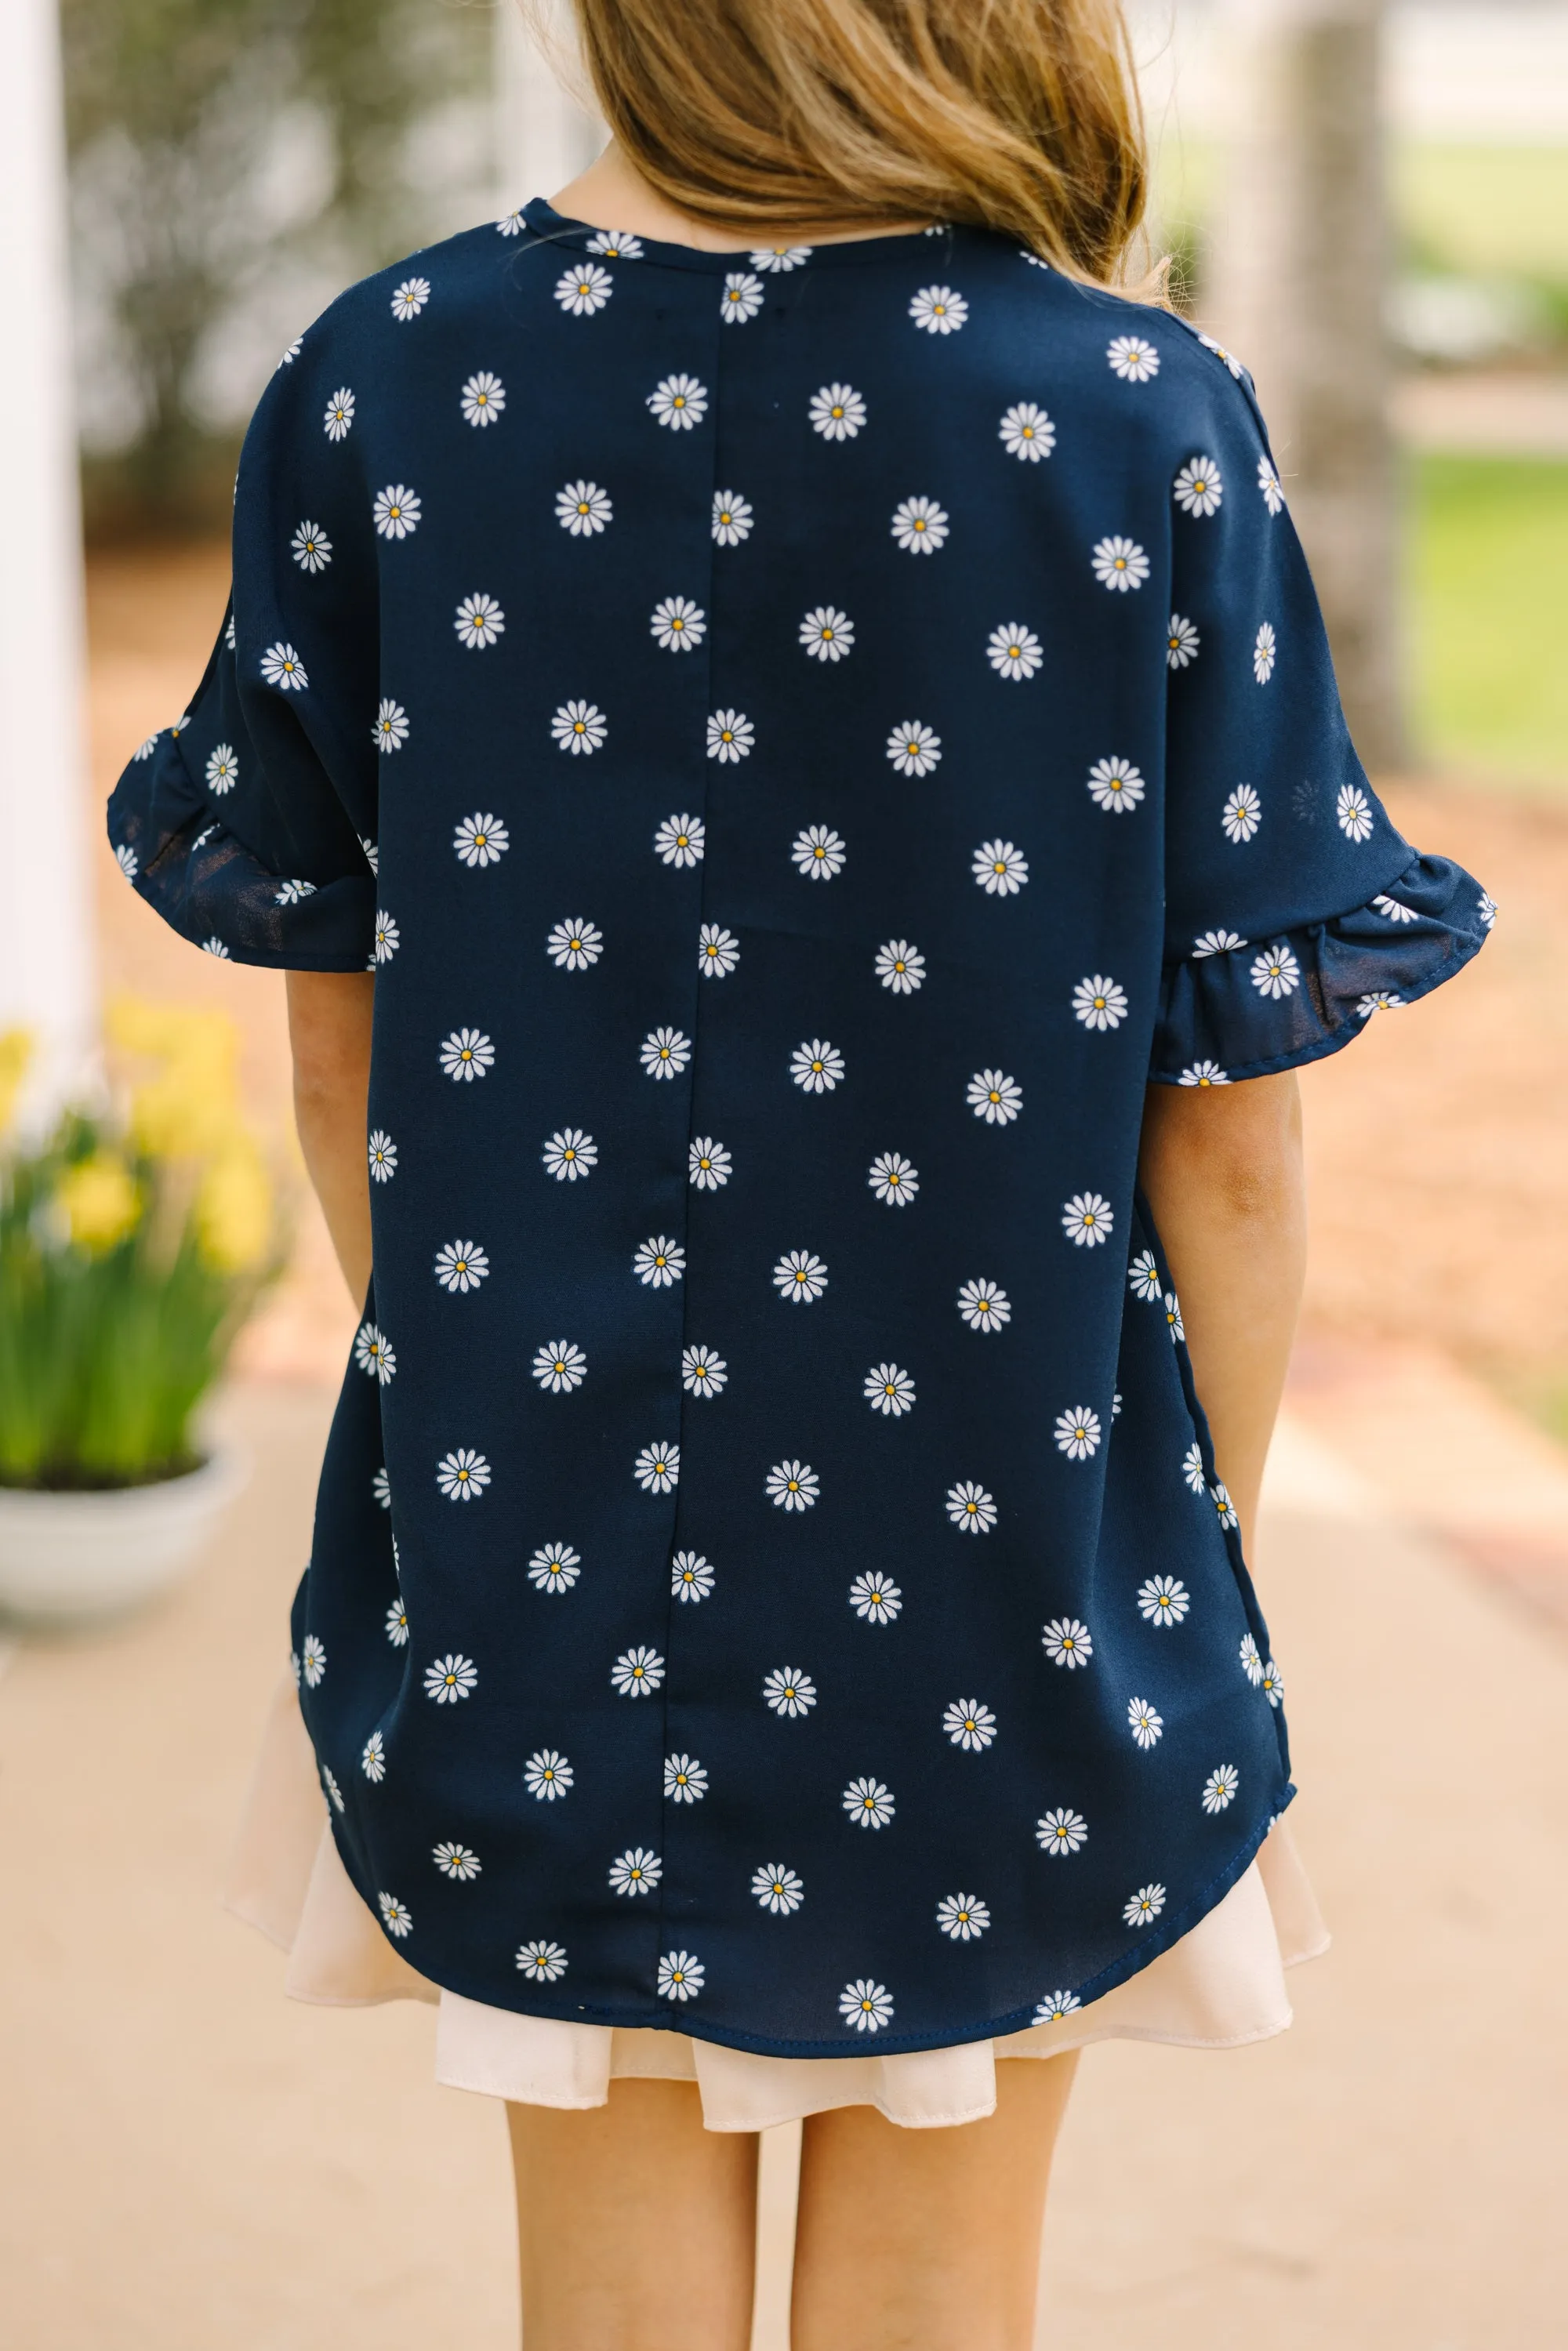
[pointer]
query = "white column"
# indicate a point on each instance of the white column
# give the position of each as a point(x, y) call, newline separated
point(543, 137)
point(47, 980)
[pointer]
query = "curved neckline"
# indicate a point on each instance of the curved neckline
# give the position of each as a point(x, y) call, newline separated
point(553, 228)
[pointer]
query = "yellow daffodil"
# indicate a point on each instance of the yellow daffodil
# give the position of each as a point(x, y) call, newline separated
point(101, 1202)
point(234, 1208)
point(16, 1053)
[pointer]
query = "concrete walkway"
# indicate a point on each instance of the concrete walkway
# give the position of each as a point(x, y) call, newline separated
point(193, 2164)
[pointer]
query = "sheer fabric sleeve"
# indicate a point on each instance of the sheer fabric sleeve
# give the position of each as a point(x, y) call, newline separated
point(1294, 910)
point(250, 824)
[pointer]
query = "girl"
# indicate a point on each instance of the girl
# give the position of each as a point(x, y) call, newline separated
point(780, 731)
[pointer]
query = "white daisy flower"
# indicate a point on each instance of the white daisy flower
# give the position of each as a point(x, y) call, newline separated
point(1242, 813)
point(679, 1976)
point(686, 1780)
point(545, 1962)
point(559, 1366)
point(461, 1266)
point(214, 947)
point(1014, 651)
point(310, 547)
point(1177, 1327)
point(449, 1678)
point(282, 668)
point(659, 1262)
point(1078, 1433)
point(1182, 643)
point(869, 1803)
point(780, 256)
point(718, 951)
point(1144, 1724)
point(635, 1871)
point(1061, 1831)
point(1197, 489)
point(679, 402)
point(483, 398)
point(876, 1597)
point(1087, 1219)
point(554, 1567)
point(1145, 1905)
point(1392, 911)
point(778, 1889)
point(817, 1066)
point(548, 1776)
point(388, 937)
point(396, 1917)
point(789, 1691)
point(1192, 1468)
point(466, 1055)
point(456, 1860)
point(970, 1725)
point(1276, 972)
point(373, 1757)
point(819, 852)
point(127, 861)
point(730, 736)
point(570, 1153)
point(294, 893)
point(1223, 1504)
point(938, 309)
point(900, 966)
point(914, 748)
point(410, 299)
point(1067, 1642)
point(1487, 908)
point(1383, 1000)
point(312, 1661)
point(1251, 1660)
point(1203, 1073)
point(463, 1474)
point(1217, 943)
point(691, 1575)
point(731, 518)
point(1001, 870)
point(707, 1164)
point(680, 839)
point(1133, 358)
point(919, 525)
point(637, 1673)
point(657, 1468)
point(962, 1916)
point(1264, 650)
point(1116, 784)
point(837, 412)
point(1163, 1600)
point(389, 732)
point(992, 1095)
point(583, 508)
point(575, 946)
point(511, 224)
point(1219, 1788)
point(222, 771)
point(1268, 483)
point(1144, 1274)
point(792, 1486)
point(826, 633)
point(616, 244)
point(1120, 563)
point(395, 1624)
point(180, 725)
point(579, 727)
point(1352, 812)
point(889, 1390)
point(984, 1306)
point(865, 2006)
point(678, 624)
point(741, 297)
point(1055, 2006)
point(971, 1508)
point(1272, 1684)
point(396, 511)
point(373, 1354)
point(800, 1274)
point(1231, 361)
point(702, 1373)
point(583, 290)
point(1027, 432)
point(664, 1052)
point(894, 1180)
point(480, 839)
point(340, 414)
point(1100, 1002)
point(480, 621)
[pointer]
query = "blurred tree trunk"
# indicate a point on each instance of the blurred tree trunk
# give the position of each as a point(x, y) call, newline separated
point(1297, 284)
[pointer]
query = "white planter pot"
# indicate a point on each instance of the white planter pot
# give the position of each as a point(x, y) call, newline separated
point(65, 1559)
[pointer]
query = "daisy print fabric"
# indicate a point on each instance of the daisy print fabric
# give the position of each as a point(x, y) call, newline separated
point(793, 777)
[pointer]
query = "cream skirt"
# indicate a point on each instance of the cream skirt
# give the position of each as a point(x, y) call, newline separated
point(1222, 1985)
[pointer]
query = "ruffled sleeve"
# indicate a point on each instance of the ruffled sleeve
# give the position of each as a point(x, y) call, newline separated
point(1294, 909)
point(250, 824)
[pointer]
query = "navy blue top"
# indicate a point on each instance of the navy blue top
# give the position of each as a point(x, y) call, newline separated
point(801, 739)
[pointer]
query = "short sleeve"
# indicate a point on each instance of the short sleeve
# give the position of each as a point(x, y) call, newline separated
point(250, 824)
point(1294, 909)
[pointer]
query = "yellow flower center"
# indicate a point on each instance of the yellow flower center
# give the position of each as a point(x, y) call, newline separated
point(837, 412)
point(679, 401)
point(1121, 563)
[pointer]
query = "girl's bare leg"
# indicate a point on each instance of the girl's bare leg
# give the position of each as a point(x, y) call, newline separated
point(921, 2239)
point(635, 2227)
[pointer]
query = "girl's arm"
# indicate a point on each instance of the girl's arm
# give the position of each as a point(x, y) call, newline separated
point(1221, 1169)
point(329, 1030)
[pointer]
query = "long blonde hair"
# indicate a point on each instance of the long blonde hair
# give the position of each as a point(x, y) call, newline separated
point(1017, 115)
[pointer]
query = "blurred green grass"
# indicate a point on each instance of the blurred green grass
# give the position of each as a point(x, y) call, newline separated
point(1487, 588)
